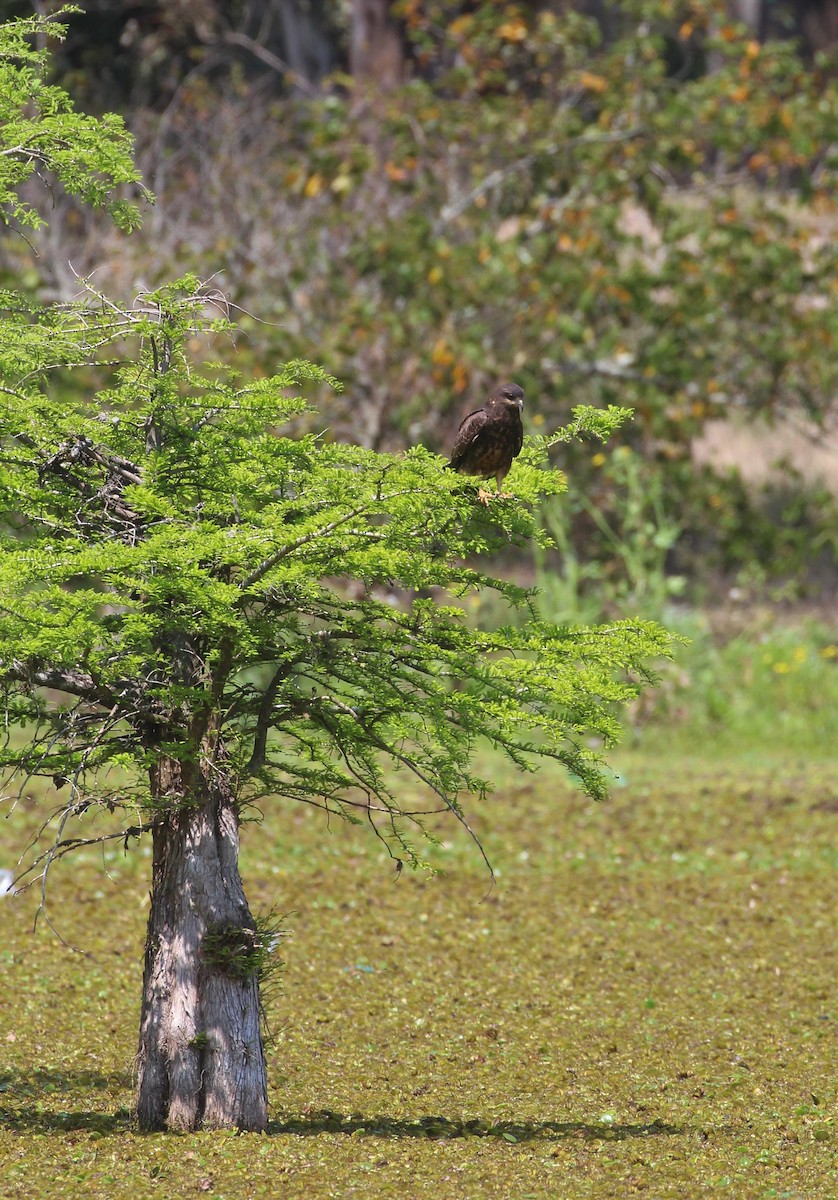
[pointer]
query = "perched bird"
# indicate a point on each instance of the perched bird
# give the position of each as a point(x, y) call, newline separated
point(489, 438)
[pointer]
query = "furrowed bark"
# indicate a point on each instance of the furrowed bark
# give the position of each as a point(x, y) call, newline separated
point(201, 1060)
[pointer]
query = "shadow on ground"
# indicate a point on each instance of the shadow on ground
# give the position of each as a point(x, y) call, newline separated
point(327, 1121)
point(34, 1119)
point(33, 1101)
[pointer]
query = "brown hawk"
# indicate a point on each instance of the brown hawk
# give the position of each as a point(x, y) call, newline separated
point(489, 438)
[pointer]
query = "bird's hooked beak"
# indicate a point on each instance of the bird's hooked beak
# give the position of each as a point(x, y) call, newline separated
point(520, 403)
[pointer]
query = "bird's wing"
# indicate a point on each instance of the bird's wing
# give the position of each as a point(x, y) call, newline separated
point(470, 429)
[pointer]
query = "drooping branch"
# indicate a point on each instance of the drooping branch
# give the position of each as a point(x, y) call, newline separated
point(63, 846)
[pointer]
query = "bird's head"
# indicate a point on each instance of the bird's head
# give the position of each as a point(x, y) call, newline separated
point(507, 395)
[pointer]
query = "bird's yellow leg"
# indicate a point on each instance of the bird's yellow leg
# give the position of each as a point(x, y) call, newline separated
point(502, 495)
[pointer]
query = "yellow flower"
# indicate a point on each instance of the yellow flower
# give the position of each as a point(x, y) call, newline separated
point(598, 460)
point(829, 652)
point(781, 668)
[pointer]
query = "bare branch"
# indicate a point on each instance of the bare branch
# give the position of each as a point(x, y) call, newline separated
point(236, 38)
point(60, 679)
point(263, 720)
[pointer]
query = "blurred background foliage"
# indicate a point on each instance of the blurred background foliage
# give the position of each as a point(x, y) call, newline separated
point(629, 203)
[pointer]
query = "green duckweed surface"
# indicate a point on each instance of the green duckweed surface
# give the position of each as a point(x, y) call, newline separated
point(644, 1003)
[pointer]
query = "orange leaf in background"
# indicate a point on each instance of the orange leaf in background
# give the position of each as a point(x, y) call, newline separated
point(752, 49)
point(441, 355)
point(460, 378)
point(397, 174)
point(739, 94)
point(592, 83)
point(686, 29)
point(728, 33)
point(461, 26)
point(617, 293)
point(512, 31)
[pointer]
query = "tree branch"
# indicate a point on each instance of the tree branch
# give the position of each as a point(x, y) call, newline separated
point(263, 721)
point(60, 679)
point(284, 551)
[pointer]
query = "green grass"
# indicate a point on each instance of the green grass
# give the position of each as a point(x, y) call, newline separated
point(643, 1004)
point(745, 680)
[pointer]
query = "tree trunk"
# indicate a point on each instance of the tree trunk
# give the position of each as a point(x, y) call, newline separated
point(201, 1059)
point(376, 54)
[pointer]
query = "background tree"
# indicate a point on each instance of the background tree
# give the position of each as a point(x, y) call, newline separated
point(198, 614)
point(635, 209)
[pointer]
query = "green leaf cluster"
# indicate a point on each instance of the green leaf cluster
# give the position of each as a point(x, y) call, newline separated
point(43, 136)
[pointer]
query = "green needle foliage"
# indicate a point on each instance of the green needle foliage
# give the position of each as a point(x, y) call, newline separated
point(187, 577)
point(42, 135)
point(177, 562)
